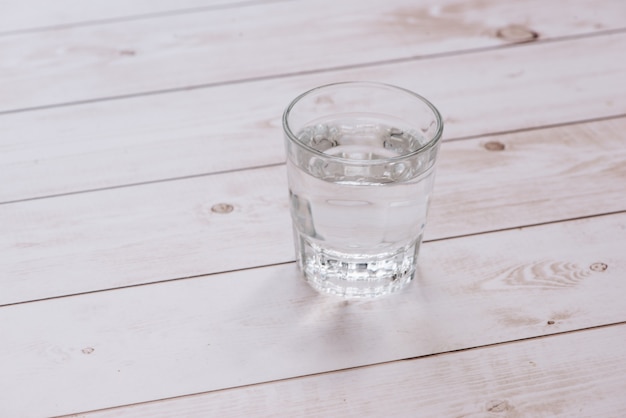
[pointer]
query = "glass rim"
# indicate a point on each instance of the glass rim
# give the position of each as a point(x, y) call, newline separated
point(428, 145)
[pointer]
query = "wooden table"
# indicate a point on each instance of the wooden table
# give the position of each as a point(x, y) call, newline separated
point(146, 259)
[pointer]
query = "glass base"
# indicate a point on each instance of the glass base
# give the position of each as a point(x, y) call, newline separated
point(356, 275)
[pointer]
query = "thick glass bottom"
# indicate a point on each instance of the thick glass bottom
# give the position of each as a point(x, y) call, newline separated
point(354, 275)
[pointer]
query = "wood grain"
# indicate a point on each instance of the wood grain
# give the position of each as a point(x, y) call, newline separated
point(145, 245)
point(573, 375)
point(176, 52)
point(542, 274)
point(143, 234)
point(207, 333)
point(32, 15)
point(189, 133)
point(162, 231)
point(539, 176)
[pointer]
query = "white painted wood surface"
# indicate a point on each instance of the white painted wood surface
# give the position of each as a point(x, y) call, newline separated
point(197, 132)
point(130, 294)
point(574, 375)
point(215, 332)
point(142, 234)
point(268, 40)
point(32, 15)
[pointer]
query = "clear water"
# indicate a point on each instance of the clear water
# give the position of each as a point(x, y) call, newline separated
point(358, 229)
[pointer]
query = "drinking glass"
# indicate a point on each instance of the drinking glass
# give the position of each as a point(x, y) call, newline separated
point(360, 165)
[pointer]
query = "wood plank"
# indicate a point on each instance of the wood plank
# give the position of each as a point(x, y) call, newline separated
point(161, 231)
point(175, 52)
point(540, 176)
point(31, 15)
point(190, 336)
point(574, 375)
point(130, 141)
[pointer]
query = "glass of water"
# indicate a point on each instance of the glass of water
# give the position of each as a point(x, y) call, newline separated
point(360, 165)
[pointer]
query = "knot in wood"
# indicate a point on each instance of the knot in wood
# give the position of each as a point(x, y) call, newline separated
point(222, 208)
point(550, 322)
point(598, 267)
point(517, 33)
point(494, 146)
point(498, 406)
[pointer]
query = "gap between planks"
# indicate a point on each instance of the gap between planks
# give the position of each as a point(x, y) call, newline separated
point(467, 295)
point(290, 74)
point(171, 136)
point(140, 16)
point(233, 170)
point(289, 380)
point(144, 183)
point(175, 225)
point(196, 276)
